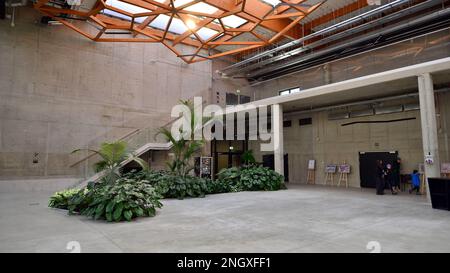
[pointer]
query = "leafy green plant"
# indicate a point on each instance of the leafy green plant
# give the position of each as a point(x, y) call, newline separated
point(124, 200)
point(261, 178)
point(113, 154)
point(185, 146)
point(248, 158)
point(250, 178)
point(174, 186)
point(61, 199)
point(228, 180)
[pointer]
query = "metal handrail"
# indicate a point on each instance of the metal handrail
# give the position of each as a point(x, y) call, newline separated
point(92, 154)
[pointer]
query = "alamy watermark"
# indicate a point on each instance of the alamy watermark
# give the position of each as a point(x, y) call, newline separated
point(239, 122)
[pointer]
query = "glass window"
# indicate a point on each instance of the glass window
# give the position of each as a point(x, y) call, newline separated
point(289, 91)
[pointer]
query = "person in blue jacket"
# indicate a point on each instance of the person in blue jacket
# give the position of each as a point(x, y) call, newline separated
point(415, 179)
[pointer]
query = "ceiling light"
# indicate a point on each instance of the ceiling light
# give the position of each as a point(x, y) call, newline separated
point(190, 24)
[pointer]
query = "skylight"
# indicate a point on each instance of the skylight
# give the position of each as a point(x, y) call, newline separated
point(233, 21)
point(202, 7)
point(126, 7)
point(179, 3)
point(206, 33)
point(271, 2)
point(176, 26)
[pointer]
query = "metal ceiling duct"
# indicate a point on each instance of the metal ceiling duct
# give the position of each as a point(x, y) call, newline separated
point(339, 36)
point(409, 28)
point(357, 19)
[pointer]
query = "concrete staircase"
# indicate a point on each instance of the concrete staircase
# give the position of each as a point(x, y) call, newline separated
point(138, 152)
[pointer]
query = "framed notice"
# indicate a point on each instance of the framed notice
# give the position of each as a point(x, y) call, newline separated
point(311, 164)
point(344, 168)
point(205, 166)
point(330, 168)
point(445, 168)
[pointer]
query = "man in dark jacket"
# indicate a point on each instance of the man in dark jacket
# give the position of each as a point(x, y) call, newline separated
point(380, 182)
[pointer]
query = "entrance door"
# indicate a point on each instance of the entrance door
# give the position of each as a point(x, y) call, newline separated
point(269, 162)
point(368, 166)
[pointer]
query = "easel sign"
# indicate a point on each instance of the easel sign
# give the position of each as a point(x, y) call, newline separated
point(344, 170)
point(445, 169)
point(206, 166)
point(311, 178)
point(311, 164)
point(330, 170)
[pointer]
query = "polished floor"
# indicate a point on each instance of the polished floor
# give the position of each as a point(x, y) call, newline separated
point(300, 219)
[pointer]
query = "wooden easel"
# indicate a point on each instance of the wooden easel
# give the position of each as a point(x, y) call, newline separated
point(311, 178)
point(329, 178)
point(343, 177)
point(423, 184)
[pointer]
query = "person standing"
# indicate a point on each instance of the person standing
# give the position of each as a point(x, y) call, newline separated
point(389, 178)
point(380, 178)
point(396, 174)
point(415, 182)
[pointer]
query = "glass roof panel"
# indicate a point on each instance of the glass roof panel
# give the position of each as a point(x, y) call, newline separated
point(202, 7)
point(272, 2)
point(179, 3)
point(126, 7)
point(176, 26)
point(206, 33)
point(233, 21)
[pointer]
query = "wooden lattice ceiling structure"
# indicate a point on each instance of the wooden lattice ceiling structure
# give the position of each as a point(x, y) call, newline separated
point(210, 28)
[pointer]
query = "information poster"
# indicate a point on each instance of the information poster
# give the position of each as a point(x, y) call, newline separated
point(344, 168)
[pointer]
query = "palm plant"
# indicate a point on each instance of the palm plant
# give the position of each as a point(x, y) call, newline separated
point(113, 154)
point(184, 147)
point(248, 158)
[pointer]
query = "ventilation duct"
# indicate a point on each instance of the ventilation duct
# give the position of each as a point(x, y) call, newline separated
point(388, 109)
point(411, 107)
point(361, 113)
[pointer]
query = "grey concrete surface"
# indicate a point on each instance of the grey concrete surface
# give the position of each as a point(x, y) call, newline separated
point(301, 219)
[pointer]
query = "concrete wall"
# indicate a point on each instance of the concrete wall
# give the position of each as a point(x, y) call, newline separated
point(60, 91)
point(418, 50)
point(328, 142)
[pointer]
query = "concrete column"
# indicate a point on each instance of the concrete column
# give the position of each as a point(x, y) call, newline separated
point(277, 129)
point(429, 127)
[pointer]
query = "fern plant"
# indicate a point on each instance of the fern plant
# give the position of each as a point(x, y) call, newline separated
point(185, 147)
point(113, 154)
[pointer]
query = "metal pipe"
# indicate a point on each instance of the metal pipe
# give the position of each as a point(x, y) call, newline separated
point(340, 35)
point(383, 99)
point(321, 32)
point(418, 21)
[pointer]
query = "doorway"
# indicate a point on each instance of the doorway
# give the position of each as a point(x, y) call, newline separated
point(269, 162)
point(227, 153)
point(368, 166)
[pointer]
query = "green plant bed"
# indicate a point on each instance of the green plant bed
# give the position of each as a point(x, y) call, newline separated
point(60, 200)
point(173, 186)
point(122, 201)
point(250, 178)
point(261, 178)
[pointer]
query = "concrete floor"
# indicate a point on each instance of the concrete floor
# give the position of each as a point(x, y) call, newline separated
point(301, 219)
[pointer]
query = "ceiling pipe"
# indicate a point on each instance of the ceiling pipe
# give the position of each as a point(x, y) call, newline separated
point(419, 21)
point(340, 35)
point(364, 102)
point(324, 31)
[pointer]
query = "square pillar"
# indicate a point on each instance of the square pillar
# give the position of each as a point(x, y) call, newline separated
point(277, 129)
point(429, 127)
